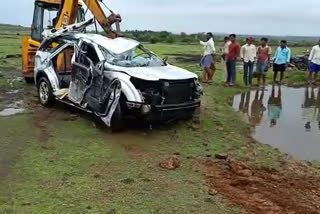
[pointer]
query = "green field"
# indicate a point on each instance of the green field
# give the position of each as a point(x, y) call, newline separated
point(58, 161)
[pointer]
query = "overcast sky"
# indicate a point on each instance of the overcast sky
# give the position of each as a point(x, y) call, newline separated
point(271, 17)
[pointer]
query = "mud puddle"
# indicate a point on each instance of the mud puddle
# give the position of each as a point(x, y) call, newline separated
point(11, 103)
point(285, 118)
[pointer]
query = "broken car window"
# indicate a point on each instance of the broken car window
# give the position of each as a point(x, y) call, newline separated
point(89, 51)
point(136, 57)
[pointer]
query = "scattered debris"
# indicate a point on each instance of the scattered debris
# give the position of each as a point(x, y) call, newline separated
point(171, 163)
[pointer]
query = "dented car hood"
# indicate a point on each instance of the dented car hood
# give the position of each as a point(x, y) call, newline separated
point(168, 72)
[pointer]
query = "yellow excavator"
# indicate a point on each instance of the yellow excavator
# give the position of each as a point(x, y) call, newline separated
point(66, 12)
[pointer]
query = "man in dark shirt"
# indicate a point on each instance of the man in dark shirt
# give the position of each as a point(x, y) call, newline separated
point(234, 52)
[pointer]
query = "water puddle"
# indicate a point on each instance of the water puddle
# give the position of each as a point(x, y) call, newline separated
point(11, 103)
point(285, 118)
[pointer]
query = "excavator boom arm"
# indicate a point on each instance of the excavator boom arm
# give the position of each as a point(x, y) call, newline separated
point(67, 15)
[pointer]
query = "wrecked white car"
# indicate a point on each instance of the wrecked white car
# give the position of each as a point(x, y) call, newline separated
point(112, 78)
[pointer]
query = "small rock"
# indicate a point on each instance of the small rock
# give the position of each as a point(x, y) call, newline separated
point(171, 163)
point(212, 192)
point(221, 156)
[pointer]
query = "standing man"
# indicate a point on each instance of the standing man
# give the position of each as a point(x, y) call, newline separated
point(281, 59)
point(263, 63)
point(248, 55)
point(314, 62)
point(225, 52)
point(233, 54)
point(207, 59)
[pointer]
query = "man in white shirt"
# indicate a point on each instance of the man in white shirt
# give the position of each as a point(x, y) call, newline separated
point(225, 51)
point(314, 62)
point(248, 55)
point(208, 58)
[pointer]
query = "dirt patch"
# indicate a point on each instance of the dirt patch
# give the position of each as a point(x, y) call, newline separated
point(262, 191)
point(171, 163)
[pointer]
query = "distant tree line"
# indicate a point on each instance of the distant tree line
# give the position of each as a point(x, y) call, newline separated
point(168, 37)
point(163, 36)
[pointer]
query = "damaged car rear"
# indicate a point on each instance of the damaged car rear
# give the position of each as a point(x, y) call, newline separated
point(112, 78)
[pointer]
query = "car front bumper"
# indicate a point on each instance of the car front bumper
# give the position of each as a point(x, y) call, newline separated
point(166, 112)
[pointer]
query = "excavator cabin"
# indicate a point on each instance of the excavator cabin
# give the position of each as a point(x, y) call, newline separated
point(49, 14)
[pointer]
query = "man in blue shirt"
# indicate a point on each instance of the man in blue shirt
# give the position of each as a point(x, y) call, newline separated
point(281, 60)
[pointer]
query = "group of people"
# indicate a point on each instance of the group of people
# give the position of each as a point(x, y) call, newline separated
point(251, 55)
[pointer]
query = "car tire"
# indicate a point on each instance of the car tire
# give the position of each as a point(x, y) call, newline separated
point(29, 80)
point(117, 122)
point(45, 92)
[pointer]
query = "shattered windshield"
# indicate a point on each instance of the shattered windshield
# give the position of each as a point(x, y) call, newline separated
point(136, 57)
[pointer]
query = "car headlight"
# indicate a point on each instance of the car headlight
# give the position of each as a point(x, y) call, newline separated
point(199, 87)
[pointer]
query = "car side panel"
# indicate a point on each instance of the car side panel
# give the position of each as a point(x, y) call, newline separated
point(128, 89)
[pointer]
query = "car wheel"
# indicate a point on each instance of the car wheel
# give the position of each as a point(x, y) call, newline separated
point(117, 123)
point(45, 92)
point(29, 80)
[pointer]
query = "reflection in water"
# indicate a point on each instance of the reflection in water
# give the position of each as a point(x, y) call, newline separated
point(311, 108)
point(274, 106)
point(257, 108)
point(286, 118)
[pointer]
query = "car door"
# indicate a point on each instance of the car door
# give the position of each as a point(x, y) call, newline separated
point(81, 77)
point(90, 87)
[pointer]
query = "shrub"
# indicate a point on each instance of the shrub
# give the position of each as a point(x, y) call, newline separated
point(154, 40)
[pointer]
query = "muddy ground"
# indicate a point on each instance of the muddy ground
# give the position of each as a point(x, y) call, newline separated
point(263, 190)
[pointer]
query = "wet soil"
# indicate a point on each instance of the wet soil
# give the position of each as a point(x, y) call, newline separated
point(263, 191)
point(11, 102)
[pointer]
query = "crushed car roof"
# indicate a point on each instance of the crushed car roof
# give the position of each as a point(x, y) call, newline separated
point(117, 46)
